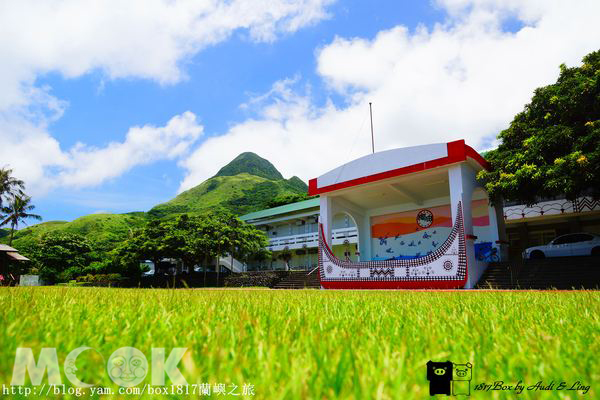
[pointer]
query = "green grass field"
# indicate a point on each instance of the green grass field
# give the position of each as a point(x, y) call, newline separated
point(311, 344)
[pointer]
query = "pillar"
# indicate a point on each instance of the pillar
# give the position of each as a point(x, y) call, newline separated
point(326, 217)
point(461, 180)
point(498, 230)
point(364, 239)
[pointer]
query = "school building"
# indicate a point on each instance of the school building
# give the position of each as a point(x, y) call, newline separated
point(412, 217)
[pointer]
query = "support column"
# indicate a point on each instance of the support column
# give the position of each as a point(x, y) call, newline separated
point(498, 231)
point(462, 184)
point(326, 217)
point(364, 239)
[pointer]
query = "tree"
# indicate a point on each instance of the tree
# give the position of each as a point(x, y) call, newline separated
point(125, 258)
point(62, 256)
point(191, 239)
point(552, 147)
point(18, 211)
point(151, 243)
point(9, 185)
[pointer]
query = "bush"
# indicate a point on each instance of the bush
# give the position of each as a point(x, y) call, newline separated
point(255, 278)
point(104, 278)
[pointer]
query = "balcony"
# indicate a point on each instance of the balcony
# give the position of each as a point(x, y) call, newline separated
point(312, 239)
point(551, 207)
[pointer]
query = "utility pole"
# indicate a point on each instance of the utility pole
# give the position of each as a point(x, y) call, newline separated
point(372, 138)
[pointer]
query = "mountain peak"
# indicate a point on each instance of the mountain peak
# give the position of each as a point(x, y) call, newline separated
point(252, 164)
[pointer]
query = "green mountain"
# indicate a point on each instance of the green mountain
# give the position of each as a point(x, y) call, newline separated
point(246, 184)
point(252, 164)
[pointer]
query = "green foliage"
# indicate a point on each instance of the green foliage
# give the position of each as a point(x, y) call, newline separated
point(192, 239)
point(252, 164)
point(99, 278)
point(119, 241)
point(15, 205)
point(317, 344)
point(284, 199)
point(298, 184)
point(553, 146)
point(16, 212)
point(105, 231)
point(61, 256)
point(9, 186)
point(239, 194)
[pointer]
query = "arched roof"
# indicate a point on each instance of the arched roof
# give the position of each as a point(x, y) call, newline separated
point(395, 162)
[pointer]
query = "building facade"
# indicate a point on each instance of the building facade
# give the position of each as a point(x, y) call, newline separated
point(293, 235)
point(399, 205)
point(538, 224)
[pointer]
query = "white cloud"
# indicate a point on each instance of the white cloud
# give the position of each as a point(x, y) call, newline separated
point(142, 39)
point(143, 144)
point(37, 157)
point(148, 39)
point(464, 78)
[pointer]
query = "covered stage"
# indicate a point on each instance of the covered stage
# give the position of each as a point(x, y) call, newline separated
point(423, 220)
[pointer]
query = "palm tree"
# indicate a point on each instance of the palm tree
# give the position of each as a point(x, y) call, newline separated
point(9, 185)
point(18, 211)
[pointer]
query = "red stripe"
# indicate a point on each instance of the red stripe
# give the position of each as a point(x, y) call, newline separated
point(312, 187)
point(457, 151)
point(470, 152)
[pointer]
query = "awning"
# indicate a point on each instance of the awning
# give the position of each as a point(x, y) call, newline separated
point(16, 256)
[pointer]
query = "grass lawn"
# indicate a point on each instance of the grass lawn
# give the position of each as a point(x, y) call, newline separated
point(318, 344)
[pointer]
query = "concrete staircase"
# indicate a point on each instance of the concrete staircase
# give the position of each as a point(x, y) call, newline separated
point(550, 273)
point(299, 280)
point(236, 267)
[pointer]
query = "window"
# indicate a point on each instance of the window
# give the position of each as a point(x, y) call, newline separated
point(582, 237)
point(537, 238)
point(565, 239)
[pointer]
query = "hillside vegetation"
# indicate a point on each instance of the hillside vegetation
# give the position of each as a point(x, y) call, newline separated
point(240, 194)
point(248, 183)
point(104, 230)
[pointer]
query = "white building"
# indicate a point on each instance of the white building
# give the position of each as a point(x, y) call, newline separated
point(292, 229)
point(362, 200)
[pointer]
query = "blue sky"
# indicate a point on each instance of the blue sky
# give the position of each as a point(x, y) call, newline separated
point(219, 79)
point(296, 80)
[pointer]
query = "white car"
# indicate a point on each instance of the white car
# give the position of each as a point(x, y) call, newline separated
point(573, 244)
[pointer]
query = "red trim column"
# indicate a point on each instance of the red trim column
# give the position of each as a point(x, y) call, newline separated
point(326, 216)
point(461, 189)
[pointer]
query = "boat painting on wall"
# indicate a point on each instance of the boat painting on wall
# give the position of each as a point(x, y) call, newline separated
point(445, 267)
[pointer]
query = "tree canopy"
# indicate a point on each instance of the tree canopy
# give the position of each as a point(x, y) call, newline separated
point(61, 256)
point(18, 211)
point(15, 205)
point(552, 147)
point(193, 239)
point(9, 185)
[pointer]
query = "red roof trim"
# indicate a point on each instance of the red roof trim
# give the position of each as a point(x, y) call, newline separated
point(457, 151)
point(470, 152)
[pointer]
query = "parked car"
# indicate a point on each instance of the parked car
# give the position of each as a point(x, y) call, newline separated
point(573, 244)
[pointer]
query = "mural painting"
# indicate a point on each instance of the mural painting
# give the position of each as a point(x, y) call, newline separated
point(409, 234)
point(417, 233)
